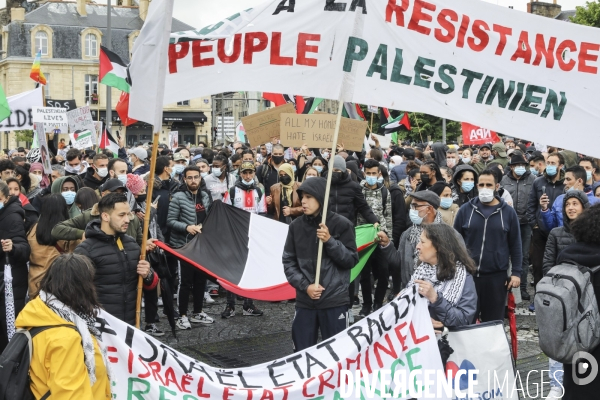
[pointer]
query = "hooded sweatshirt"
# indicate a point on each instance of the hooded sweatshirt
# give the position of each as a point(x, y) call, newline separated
point(439, 151)
point(458, 195)
point(89, 180)
point(553, 216)
point(339, 253)
point(491, 241)
point(57, 189)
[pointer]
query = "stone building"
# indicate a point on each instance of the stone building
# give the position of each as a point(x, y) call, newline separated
point(549, 10)
point(69, 35)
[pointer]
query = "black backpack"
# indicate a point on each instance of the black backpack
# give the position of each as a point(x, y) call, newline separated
point(14, 364)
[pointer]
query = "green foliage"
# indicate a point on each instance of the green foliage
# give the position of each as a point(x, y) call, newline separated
point(587, 15)
point(24, 136)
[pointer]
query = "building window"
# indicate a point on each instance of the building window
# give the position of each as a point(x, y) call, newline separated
point(183, 103)
point(47, 88)
point(91, 45)
point(41, 42)
point(91, 89)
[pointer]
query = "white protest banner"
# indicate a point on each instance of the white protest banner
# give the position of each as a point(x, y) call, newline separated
point(82, 139)
point(21, 105)
point(174, 139)
point(80, 119)
point(43, 143)
point(396, 338)
point(52, 118)
point(510, 71)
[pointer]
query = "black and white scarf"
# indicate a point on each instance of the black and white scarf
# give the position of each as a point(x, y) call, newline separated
point(86, 327)
point(450, 289)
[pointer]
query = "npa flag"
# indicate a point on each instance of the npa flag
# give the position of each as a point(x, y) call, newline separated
point(113, 71)
point(243, 252)
point(36, 69)
point(123, 110)
point(476, 135)
point(281, 99)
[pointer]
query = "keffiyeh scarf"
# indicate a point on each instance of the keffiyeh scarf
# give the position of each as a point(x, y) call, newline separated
point(450, 289)
point(86, 327)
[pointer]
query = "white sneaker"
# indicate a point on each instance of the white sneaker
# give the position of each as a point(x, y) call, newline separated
point(555, 393)
point(160, 303)
point(183, 323)
point(201, 318)
point(207, 298)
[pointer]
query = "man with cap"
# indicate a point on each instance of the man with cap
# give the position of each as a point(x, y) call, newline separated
point(485, 157)
point(180, 163)
point(74, 228)
point(490, 228)
point(499, 153)
point(323, 307)
point(423, 210)
point(518, 182)
point(137, 158)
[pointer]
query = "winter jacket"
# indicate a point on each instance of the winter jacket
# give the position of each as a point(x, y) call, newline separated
point(460, 196)
point(339, 254)
point(482, 165)
point(31, 214)
point(346, 198)
point(275, 207)
point(218, 188)
point(57, 189)
point(57, 359)
point(553, 216)
point(493, 241)
point(42, 256)
point(461, 314)
point(164, 189)
point(268, 175)
point(89, 180)
point(449, 214)
point(73, 229)
point(519, 191)
point(116, 270)
point(400, 220)
point(398, 172)
point(182, 213)
point(13, 228)
point(541, 185)
point(141, 169)
point(374, 198)
point(558, 239)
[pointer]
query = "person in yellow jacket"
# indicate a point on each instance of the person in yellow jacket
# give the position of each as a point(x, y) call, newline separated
point(60, 367)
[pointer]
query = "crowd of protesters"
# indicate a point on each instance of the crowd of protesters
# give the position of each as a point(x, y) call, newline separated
point(464, 223)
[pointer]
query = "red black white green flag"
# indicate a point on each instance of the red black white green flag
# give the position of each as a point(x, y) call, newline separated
point(113, 71)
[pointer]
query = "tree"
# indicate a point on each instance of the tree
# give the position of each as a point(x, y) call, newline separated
point(24, 136)
point(587, 15)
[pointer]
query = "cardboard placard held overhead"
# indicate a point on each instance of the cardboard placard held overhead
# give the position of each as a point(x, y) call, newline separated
point(263, 126)
point(316, 130)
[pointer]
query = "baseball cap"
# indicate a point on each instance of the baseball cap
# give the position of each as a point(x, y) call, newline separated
point(247, 165)
point(139, 153)
point(113, 185)
point(488, 145)
point(428, 196)
point(178, 157)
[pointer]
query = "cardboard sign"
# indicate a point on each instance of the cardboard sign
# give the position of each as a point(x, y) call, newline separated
point(80, 119)
point(52, 118)
point(82, 139)
point(316, 130)
point(263, 126)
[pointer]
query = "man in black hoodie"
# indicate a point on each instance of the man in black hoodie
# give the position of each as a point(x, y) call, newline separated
point(97, 173)
point(325, 306)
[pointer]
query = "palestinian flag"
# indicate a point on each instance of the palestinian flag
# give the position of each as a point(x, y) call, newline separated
point(384, 116)
point(108, 142)
point(113, 71)
point(36, 69)
point(243, 252)
point(353, 111)
point(123, 110)
point(365, 244)
point(395, 125)
point(281, 99)
point(311, 105)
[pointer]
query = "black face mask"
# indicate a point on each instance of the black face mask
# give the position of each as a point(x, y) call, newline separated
point(141, 198)
point(425, 179)
point(337, 177)
point(285, 179)
point(277, 159)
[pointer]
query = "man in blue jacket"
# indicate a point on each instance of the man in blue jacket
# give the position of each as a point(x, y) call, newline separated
point(492, 235)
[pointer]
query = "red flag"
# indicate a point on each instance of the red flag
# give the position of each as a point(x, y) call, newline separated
point(512, 321)
point(123, 110)
point(405, 121)
point(281, 99)
point(476, 135)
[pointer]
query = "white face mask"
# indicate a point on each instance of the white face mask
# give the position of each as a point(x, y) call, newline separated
point(486, 195)
point(72, 170)
point(122, 178)
point(102, 172)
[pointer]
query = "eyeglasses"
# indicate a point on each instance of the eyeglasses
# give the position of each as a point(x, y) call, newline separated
point(192, 178)
point(416, 206)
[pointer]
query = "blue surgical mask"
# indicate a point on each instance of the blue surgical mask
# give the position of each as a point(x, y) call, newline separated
point(217, 172)
point(1, 205)
point(380, 179)
point(319, 168)
point(520, 170)
point(588, 174)
point(371, 180)
point(551, 170)
point(414, 217)
point(178, 168)
point(571, 188)
point(294, 168)
point(204, 174)
point(467, 186)
point(466, 160)
point(534, 171)
point(248, 183)
point(69, 197)
point(122, 178)
point(173, 172)
point(446, 202)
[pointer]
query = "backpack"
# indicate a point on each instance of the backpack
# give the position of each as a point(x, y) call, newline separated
point(384, 196)
point(567, 312)
point(14, 364)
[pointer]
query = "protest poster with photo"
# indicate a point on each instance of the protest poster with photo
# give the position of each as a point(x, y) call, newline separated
point(80, 119)
point(43, 143)
point(174, 140)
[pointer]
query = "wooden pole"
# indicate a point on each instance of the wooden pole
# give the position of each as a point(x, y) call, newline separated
point(371, 123)
point(328, 187)
point(138, 304)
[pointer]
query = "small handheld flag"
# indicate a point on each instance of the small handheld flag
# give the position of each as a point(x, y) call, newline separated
point(36, 69)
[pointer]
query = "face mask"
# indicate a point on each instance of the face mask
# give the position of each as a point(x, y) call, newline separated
point(336, 177)
point(172, 172)
point(520, 170)
point(248, 183)
point(425, 179)
point(102, 172)
point(446, 202)
point(371, 180)
point(122, 178)
point(534, 172)
point(318, 168)
point(589, 175)
point(178, 168)
point(141, 198)
point(571, 188)
point(392, 165)
point(1, 205)
point(310, 176)
point(204, 174)
point(486, 195)
point(285, 179)
point(294, 168)
point(277, 159)
point(72, 170)
point(466, 160)
point(380, 179)
point(69, 197)
point(551, 170)
point(325, 155)
point(216, 172)
point(467, 186)
point(235, 172)
point(450, 162)
point(414, 217)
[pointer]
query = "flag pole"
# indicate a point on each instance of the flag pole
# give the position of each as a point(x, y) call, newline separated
point(371, 123)
point(140, 286)
point(328, 187)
